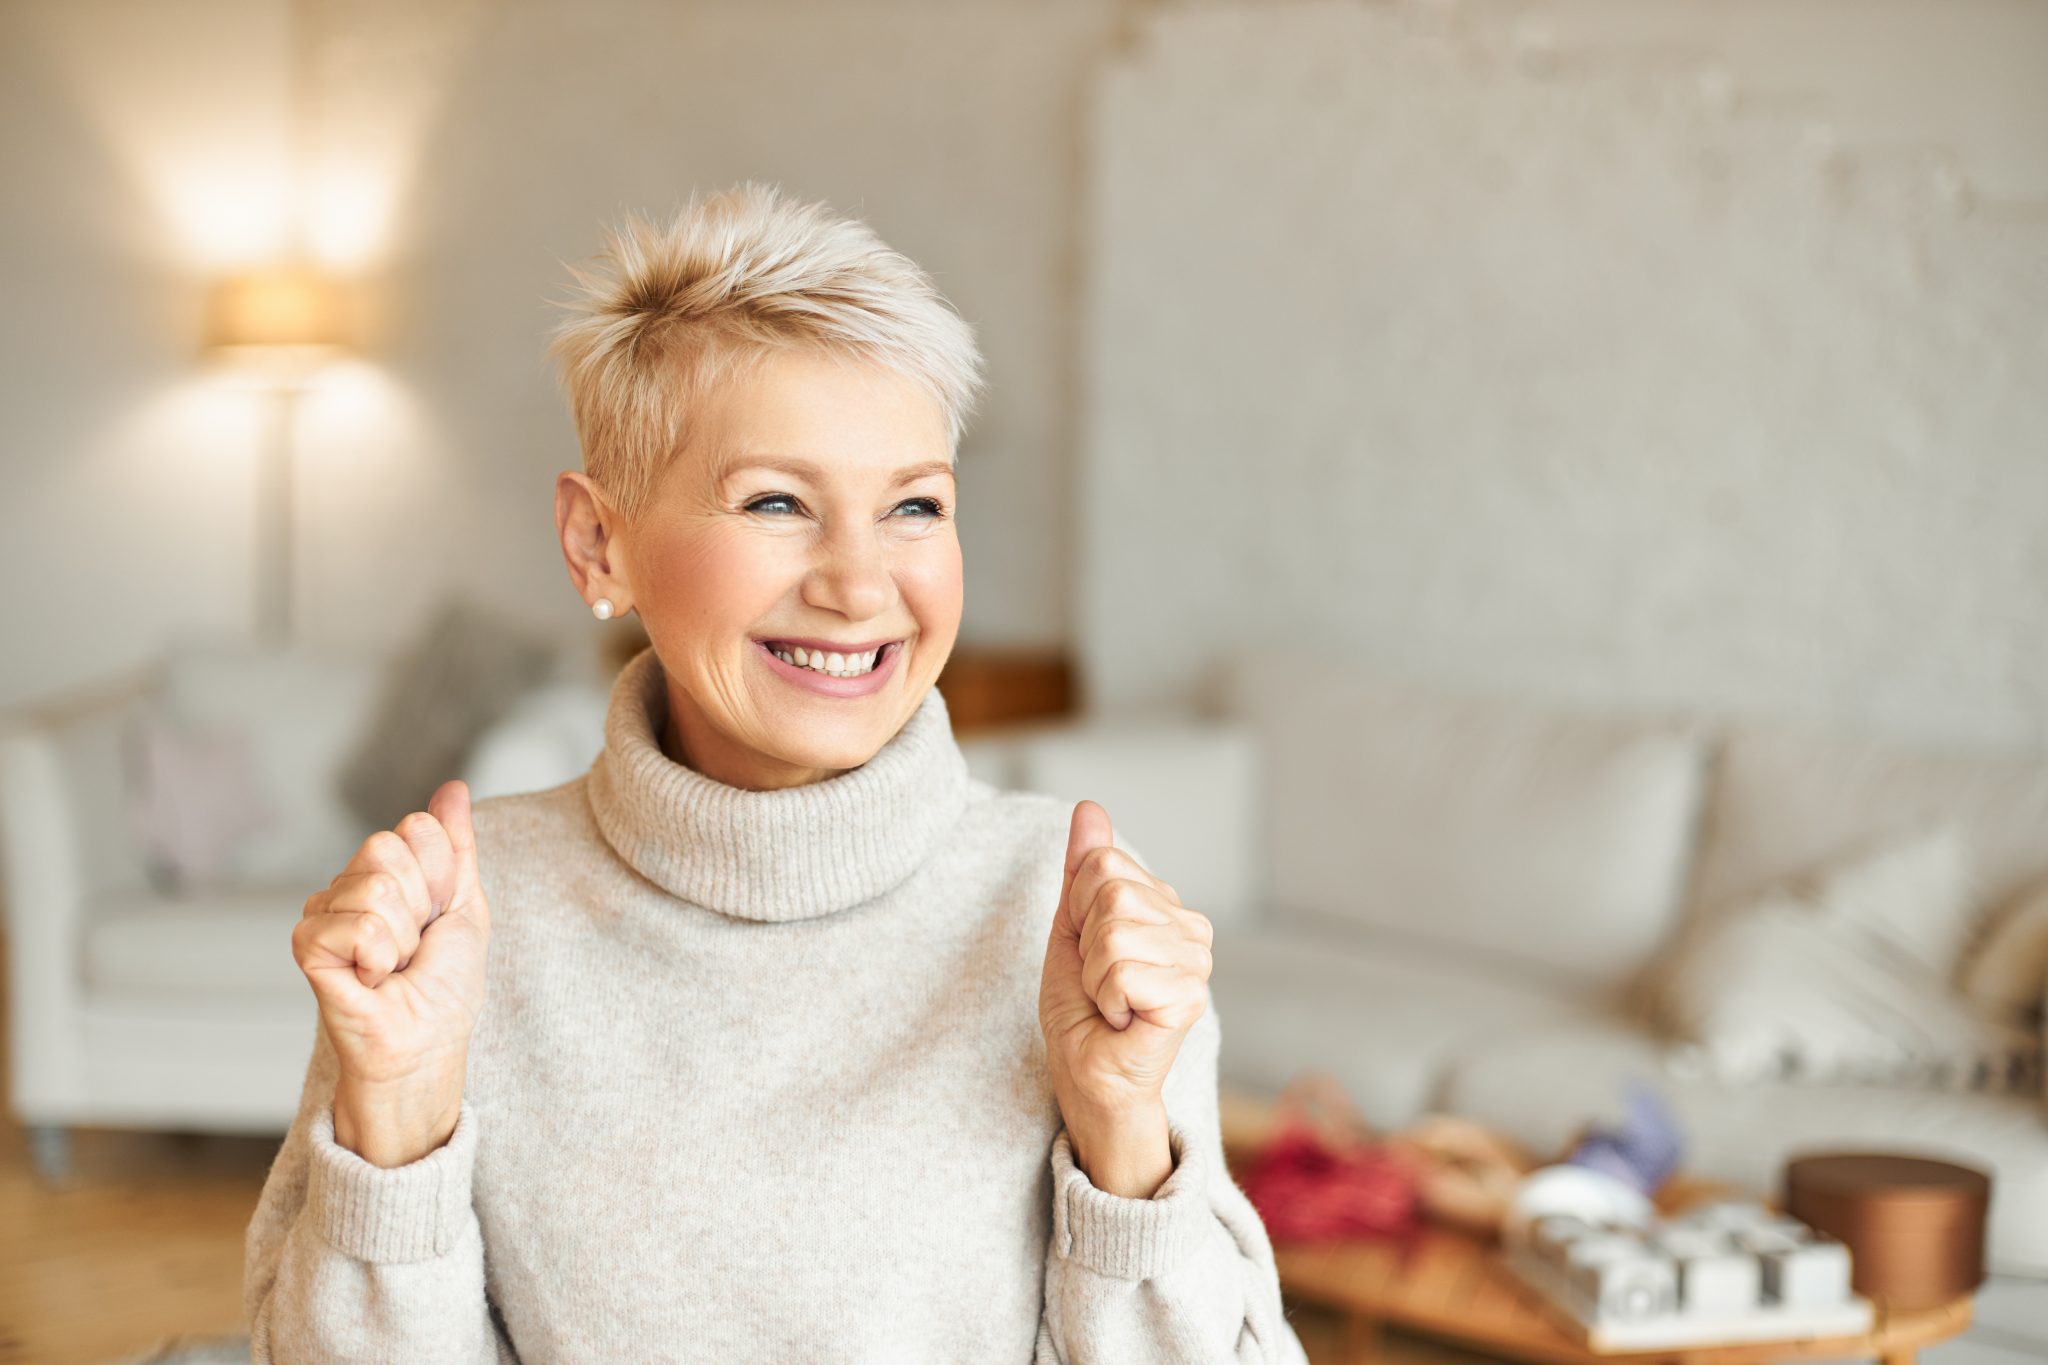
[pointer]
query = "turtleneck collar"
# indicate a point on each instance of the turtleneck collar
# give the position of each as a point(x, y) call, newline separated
point(792, 854)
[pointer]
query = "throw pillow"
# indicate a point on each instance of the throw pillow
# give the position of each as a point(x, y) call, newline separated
point(1839, 977)
point(300, 711)
point(194, 796)
point(2006, 971)
point(464, 670)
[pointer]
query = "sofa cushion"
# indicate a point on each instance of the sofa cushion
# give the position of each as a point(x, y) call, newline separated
point(464, 668)
point(1186, 790)
point(548, 737)
point(1381, 1013)
point(1547, 839)
point(226, 942)
point(1539, 1085)
point(1783, 801)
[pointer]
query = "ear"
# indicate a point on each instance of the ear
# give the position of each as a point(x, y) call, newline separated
point(590, 527)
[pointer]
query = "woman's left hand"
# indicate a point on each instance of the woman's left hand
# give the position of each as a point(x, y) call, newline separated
point(1126, 976)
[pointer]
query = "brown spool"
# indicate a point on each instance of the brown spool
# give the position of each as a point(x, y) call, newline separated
point(1914, 1226)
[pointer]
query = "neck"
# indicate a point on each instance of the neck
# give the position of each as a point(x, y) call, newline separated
point(688, 740)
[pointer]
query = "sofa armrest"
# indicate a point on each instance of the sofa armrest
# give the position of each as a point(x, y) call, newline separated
point(42, 882)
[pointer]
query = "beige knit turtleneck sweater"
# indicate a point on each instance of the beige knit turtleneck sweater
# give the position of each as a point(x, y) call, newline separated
point(759, 1079)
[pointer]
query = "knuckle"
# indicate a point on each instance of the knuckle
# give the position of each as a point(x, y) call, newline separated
point(418, 825)
point(1099, 861)
point(383, 888)
point(1117, 941)
point(1122, 894)
point(315, 904)
point(386, 849)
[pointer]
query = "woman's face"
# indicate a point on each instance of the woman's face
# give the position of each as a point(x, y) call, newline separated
point(813, 508)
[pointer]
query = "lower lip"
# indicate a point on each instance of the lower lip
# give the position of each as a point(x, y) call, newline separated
point(825, 684)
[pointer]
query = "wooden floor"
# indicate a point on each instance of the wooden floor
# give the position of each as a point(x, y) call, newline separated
point(144, 1245)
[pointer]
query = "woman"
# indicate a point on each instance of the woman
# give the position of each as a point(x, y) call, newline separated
point(799, 1043)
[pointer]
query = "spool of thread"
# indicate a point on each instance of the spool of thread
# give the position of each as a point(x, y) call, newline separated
point(1914, 1226)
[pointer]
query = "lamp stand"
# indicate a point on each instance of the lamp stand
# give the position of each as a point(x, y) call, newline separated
point(275, 517)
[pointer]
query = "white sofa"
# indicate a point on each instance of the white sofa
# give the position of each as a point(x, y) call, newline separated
point(1447, 903)
point(1464, 905)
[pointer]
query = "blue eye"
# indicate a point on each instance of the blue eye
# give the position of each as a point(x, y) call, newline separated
point(768, 498)
point(931, 504)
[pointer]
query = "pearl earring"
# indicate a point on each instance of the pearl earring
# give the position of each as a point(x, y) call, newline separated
point(602, 608)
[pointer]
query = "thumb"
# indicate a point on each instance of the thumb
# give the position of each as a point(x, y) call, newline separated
point(450, 805)
point(1090, 829)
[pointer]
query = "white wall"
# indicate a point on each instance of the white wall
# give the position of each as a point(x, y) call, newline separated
point(458, 154)
point(457, 151)
point(1604, 372)
point(139, 150)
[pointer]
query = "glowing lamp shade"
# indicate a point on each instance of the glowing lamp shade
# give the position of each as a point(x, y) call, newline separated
point(289, 308)
point(280, 324)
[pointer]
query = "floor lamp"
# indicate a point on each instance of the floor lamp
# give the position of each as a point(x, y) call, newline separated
point(280, 324)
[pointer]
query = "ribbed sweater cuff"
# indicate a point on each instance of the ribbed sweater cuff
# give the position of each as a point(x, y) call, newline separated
point(395, 1214)
point(1131, 1239)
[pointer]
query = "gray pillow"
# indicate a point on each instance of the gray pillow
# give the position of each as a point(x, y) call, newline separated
point(447, 687)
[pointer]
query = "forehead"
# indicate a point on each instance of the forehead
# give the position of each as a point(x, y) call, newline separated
point(817, 415)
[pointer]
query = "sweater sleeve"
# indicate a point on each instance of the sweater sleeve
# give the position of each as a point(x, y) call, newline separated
point(348, 1261)
point(1185, 1276)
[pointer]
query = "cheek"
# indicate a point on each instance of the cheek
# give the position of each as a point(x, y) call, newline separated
point(716, 580)
point(932, 580)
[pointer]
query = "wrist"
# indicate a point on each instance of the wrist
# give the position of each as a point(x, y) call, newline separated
point(1123, 1149)
point(394, 1124)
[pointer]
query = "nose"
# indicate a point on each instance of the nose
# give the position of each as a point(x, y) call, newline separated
point(851, 573)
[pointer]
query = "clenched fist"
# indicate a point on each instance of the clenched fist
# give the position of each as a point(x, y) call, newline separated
point(395, 950)
point(1126, 976)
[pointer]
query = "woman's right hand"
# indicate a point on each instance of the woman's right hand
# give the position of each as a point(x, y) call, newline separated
point(395, 950)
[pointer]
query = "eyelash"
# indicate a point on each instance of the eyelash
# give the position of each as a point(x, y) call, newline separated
point(938, 508)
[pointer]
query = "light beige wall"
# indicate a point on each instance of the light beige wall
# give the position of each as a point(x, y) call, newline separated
point(131, 135)
point(1448, 339)
point(954, 129)
point(458, 154)
point(458, 151)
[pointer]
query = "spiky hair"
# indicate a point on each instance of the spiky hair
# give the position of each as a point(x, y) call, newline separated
point(666, 312)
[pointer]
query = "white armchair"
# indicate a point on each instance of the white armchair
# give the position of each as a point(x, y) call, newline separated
point(137, 1002)
point(130, 1007)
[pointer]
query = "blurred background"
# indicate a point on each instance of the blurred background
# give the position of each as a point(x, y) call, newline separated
point(1494, 494)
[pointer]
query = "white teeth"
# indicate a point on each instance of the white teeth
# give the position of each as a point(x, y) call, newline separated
point(831, 662)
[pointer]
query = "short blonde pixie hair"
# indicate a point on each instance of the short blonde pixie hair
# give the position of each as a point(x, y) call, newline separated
point(736, 276)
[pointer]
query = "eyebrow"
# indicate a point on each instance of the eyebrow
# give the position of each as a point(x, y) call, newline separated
point(791, 465)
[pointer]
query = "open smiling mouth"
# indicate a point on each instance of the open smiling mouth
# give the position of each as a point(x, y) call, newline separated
point(823, 662)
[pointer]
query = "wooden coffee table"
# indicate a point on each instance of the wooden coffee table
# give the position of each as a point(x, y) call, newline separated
point(1455, 1286)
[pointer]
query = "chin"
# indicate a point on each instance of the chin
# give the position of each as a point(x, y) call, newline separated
point(830, 746)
